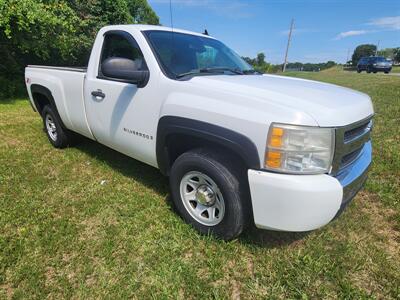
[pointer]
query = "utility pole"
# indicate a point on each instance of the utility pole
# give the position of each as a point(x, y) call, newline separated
point(348, 55)
point(377, 46)
point(288, 44)
point(347, 59)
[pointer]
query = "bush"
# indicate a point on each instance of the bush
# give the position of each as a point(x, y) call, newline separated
point(54, 32)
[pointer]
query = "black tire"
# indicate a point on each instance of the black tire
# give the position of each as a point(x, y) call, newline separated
point(232, 184)
point(386, 72)
point(358, 71)
point(62, 137)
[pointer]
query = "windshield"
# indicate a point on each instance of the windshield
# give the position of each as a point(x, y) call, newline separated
point(183, 55)
point(380, 59)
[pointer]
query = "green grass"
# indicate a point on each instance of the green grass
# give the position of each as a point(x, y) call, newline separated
point(396, 69)
point(65, 235)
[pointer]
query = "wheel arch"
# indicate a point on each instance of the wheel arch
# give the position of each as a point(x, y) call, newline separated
point(41, 97)
point(176, 135)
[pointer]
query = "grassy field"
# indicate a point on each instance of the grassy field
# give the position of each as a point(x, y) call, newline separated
point(396, 69)
point(87, 222)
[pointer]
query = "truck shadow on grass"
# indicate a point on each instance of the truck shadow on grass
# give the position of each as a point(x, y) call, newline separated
point(153, 179)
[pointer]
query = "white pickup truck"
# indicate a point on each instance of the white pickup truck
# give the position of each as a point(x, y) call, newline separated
point(238, 146)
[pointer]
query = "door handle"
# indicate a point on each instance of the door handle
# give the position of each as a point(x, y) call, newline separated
point(98, 94)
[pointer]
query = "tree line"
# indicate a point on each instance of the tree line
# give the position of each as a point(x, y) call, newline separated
point(261, 65)
point(57, 32)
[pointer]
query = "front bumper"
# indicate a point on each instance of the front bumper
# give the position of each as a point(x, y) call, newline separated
point(305, 202)
point(381, 68)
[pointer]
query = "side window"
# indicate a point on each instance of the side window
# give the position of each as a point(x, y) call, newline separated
point(116, 45)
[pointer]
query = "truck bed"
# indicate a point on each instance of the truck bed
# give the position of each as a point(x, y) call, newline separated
point(72, 69)
point(66, 87)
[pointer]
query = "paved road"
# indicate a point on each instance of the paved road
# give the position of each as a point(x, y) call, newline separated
point(392, 74)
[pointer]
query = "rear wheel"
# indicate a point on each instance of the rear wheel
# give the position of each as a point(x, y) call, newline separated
point(58, 136)
point(358, 70)
point(208, 194)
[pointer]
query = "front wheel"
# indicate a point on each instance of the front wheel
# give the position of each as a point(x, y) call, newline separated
point(209, 195)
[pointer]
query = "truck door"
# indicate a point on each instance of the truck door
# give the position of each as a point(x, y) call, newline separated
point(116, 109)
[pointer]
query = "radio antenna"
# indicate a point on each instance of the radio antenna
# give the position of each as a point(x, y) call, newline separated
point(170, 15)
point(172, 29)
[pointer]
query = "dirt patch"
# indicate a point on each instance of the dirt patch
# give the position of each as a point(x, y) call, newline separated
point(363, 279)
point(235, 294)
point(8, 290)
point(91, 229)
point(50, 275)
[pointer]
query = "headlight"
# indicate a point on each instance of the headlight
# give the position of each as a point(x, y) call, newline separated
point(299, 149)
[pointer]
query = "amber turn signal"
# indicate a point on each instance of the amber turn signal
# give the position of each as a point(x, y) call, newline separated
point(273, 159)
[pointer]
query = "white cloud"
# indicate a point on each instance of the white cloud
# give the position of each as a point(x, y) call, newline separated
point(381, 24)
point(392, 23)
point(351, 33)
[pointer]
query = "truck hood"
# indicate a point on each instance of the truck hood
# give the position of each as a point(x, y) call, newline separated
point(329, 105)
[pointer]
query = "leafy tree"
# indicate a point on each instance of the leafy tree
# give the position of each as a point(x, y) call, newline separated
point(258, 63)
point(141, 12)
point(397, 55)
point(391, 53)
point(31, 32)
point(260, 59)
point(361, 51)
point(329, 64)
point(387, 52)
point(250, 61)
point(57, 32)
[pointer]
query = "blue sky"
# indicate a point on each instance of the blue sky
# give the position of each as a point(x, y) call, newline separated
point(324, 29)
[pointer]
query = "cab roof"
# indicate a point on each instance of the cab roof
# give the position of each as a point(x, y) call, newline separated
point(142, 27)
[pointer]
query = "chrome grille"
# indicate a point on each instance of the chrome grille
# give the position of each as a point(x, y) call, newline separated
point(356, 132)
point(349, 158)
point(349, 143)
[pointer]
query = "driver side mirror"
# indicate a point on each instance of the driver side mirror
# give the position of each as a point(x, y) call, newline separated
point(125, 70)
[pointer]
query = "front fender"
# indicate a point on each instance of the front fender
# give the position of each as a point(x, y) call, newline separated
point(213, 134)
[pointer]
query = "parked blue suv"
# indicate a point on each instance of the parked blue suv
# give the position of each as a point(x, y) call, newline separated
point(374, 64)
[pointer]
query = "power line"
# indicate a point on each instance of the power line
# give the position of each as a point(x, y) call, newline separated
point(288, 44)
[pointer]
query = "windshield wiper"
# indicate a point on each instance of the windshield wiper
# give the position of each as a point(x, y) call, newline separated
point(222, 69)
point(210, 71)
point(251, 71)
